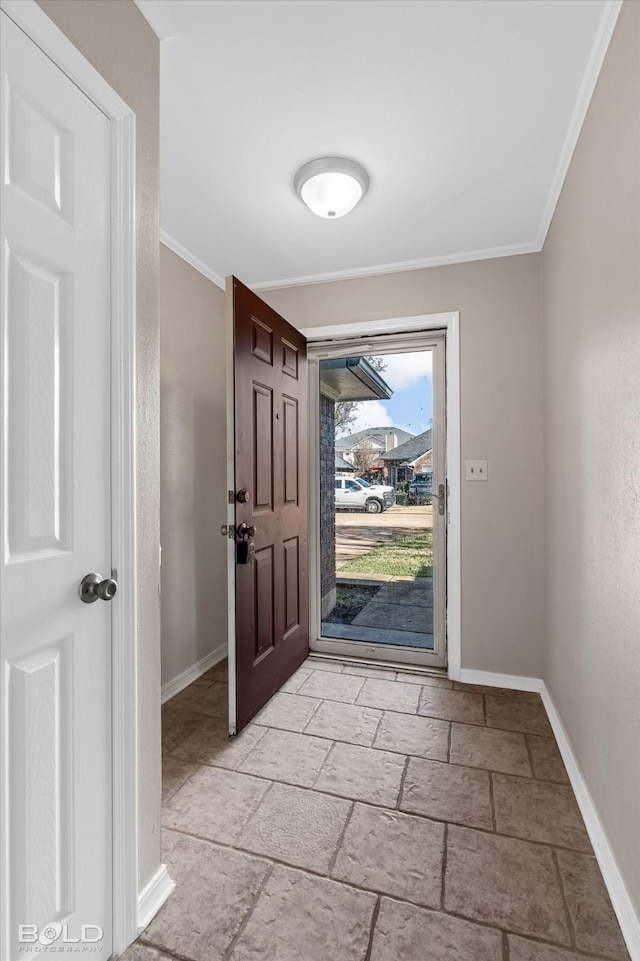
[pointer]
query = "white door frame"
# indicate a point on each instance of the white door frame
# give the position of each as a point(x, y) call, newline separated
point(37, 25)
point(450, 323)
point(231, 504)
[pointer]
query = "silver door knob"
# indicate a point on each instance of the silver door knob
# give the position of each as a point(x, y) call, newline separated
point(93, 586)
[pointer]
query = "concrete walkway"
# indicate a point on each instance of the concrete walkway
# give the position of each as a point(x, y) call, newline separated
point(401, 613)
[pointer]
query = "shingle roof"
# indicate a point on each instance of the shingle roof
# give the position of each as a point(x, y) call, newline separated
point(376, 434)
point(411, 449)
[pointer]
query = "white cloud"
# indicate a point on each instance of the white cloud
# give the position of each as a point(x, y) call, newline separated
point(371, 413)
point(405, 370)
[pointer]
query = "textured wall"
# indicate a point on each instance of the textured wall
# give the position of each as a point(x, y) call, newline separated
point(501, 385)
point(192, 466)
point(114, 36)
point(591, 306)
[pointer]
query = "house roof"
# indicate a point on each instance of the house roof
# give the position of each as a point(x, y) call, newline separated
point(376, 435)
point(344, 465)
point(411, 449)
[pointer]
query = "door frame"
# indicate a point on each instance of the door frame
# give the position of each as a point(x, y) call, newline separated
point(32, 20)
point(449, 323)
point(231, 505)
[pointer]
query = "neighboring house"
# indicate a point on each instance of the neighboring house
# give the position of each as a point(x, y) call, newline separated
point(370, 445)
point(410, 458)
point(343, 466)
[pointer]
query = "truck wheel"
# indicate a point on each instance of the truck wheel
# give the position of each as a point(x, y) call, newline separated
point(373, 506)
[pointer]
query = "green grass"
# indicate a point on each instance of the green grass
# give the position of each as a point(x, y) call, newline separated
point(409, 555)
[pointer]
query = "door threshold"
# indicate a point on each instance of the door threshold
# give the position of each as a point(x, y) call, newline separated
point(402, 668)
point(406, 658)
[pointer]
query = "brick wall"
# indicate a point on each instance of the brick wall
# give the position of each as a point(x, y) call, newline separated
point(327, 506)
point(425, 461)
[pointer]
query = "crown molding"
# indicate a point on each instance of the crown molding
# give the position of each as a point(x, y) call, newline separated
point(594, 66)
point(155, 15)
point(153, 12)
point(446, 261)
point(191, 259)
point(490, 253)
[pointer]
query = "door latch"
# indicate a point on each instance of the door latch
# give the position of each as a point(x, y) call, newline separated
point(228, 530)
point(245, 546)
point(441, 498)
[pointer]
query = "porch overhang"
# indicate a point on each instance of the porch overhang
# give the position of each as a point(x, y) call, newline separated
point(352, 379)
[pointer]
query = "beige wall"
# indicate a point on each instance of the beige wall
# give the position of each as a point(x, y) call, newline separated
point(591, 305)
point(193, 465)
point(114, 36)
point(501, 420)
point(501, 357)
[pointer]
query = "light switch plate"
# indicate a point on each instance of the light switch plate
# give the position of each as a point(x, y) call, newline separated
point(476, 470)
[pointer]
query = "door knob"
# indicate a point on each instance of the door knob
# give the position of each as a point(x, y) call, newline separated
point(93, 587)
point(242, 496)
point(245, 532)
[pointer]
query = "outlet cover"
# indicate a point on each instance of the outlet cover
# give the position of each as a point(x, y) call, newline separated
point(476, 470)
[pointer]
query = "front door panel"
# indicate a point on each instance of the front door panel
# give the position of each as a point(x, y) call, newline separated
point(55, 511)
point(270, 461)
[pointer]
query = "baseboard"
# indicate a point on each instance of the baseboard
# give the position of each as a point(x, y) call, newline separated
point(153, 896)
point(511, 681)
point(171, 688)
point(620, 899)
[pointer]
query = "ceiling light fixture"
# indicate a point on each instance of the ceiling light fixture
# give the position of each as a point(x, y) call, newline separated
point(331, 186)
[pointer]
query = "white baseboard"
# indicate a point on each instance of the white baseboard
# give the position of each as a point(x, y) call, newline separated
point(171, 688)
point(153, 896)
point(620, 899)
point(511, 681)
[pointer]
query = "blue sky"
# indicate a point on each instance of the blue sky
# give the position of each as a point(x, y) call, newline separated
point(411, 406)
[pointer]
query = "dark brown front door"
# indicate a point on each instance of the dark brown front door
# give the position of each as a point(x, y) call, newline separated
point(272, 581)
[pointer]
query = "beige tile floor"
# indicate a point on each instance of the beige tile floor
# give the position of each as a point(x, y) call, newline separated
point(369, 816)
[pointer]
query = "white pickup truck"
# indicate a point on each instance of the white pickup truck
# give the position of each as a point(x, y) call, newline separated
point(357, 493)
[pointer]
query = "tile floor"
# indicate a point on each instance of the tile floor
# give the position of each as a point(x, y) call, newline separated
point(369, 816)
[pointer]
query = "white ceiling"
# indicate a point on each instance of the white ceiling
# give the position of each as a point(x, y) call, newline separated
point(464, 112)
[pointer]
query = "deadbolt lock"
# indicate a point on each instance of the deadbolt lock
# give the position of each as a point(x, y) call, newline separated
point(242, 496)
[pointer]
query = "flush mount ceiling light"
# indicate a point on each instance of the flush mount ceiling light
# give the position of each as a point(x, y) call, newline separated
point(331, 186)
